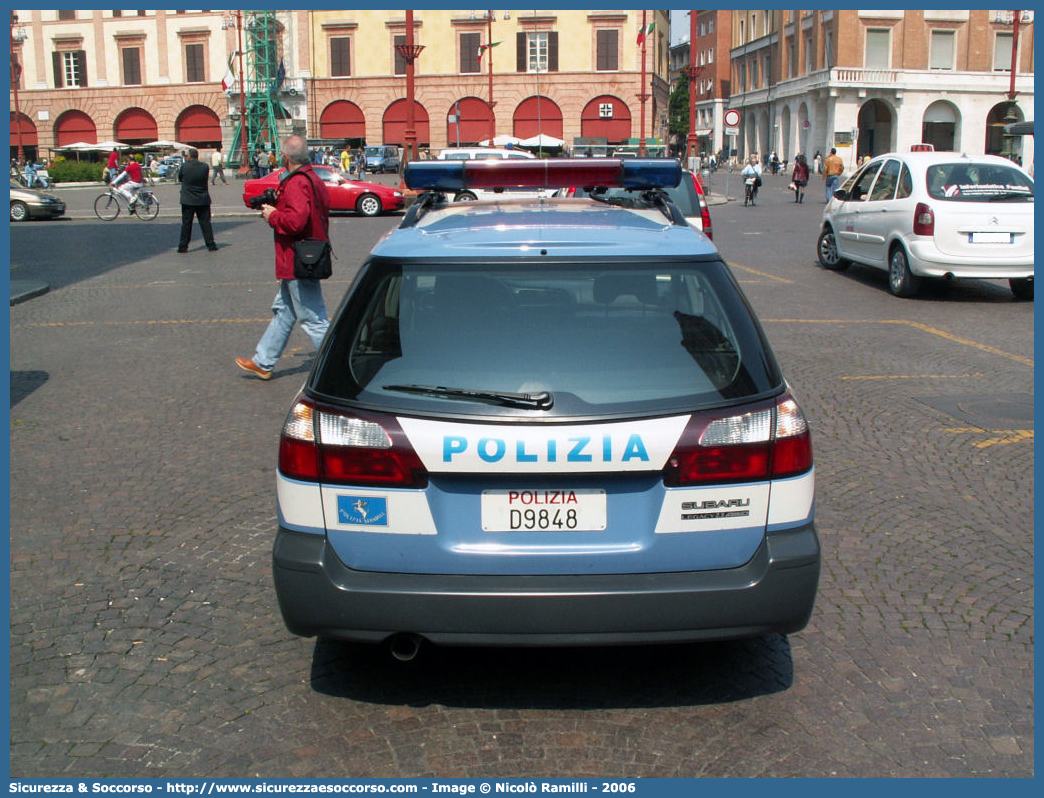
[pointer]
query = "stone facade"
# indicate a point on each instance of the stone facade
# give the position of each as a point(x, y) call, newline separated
point(868, 82)
point(87, 72)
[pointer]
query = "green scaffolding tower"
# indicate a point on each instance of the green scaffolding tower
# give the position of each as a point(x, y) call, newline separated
point(264, 77)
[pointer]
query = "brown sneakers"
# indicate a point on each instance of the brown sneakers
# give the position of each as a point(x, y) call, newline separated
point(247, 364)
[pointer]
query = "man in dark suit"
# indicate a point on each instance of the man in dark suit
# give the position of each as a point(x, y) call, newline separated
point(195, 200)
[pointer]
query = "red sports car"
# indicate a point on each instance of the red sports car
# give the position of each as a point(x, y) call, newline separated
point(369, 199)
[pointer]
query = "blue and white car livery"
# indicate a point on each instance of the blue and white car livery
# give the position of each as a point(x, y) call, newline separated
point(545, 422)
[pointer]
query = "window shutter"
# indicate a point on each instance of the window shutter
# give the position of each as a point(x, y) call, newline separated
point(552, 51)
point(469, 60)
point(56, 60)
point(521, 51)
point(81, 68)
point(131, 66)
point(340, 56)
point(400, 61)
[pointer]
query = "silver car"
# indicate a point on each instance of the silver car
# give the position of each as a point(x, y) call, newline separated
point(933, 214)
point(28, 203)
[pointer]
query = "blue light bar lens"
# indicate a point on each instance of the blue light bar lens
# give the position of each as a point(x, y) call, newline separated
point(435, 175)
point(648, 173)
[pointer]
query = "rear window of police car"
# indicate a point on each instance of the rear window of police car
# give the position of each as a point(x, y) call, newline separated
point(602, 339)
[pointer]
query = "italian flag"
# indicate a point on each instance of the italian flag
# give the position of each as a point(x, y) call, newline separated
point(643, 32)
point(483, 48)
point(229, 80)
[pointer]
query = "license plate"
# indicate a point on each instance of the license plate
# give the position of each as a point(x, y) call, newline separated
point(991, 238)
point(543, 510)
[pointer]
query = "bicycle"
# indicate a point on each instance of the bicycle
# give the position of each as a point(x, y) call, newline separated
point(750, 191)
point(107, 205)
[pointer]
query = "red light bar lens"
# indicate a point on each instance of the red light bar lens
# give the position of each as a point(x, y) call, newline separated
point(541, 174)
point(636, 173)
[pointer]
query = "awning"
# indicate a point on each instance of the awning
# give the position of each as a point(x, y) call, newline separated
point(541, 140)
point(705, 132)
point(502, 140)
point(1019, 129)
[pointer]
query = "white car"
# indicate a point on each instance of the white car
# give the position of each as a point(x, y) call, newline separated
point(933, 214)
point(492, 154)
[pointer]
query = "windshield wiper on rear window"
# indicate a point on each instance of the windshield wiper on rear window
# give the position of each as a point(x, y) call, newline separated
point(534, 401)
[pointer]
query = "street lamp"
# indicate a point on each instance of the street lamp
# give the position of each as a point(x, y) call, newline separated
point(236, 22)
point(409, 52)
point(491, 17)
point(1010, 116)
point(643, 95)
point(18, 35)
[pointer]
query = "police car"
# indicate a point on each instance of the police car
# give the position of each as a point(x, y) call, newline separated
point(544, 422)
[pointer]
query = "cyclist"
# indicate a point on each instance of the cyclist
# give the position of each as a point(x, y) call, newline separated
point(752, 171)
point(129, 182)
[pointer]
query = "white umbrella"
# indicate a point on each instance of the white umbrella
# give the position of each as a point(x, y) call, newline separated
point(164, 144)
point(501, 141)
point(76, 145)
point(106, 146)
point(541, 140)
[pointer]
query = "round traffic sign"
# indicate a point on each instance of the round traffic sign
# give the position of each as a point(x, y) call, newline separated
point(732, 117)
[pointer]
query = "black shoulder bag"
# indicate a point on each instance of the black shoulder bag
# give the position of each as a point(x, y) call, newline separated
point(313, 256)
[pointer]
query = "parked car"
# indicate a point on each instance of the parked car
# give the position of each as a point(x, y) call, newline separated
point(483, 154)
point(360, 196)
point(472, 194)
point(28, 203)
point(688, 196)
point(933, 214)
point(544, 423)
point(381, 159)
point(170, 166)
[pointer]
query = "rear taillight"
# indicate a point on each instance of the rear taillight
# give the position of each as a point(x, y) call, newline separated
point(770, 442)
point(320, 444)
point(924, 220)
point(705, 216)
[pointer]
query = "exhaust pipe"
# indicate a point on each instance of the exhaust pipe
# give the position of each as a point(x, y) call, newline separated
point(405, 646)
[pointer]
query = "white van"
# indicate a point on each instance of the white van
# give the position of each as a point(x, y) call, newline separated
point(497, 154)
point(481, 153)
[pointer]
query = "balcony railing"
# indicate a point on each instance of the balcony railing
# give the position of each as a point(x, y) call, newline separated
point(893, 80)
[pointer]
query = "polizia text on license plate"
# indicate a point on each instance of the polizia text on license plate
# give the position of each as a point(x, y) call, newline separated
point(543, 510)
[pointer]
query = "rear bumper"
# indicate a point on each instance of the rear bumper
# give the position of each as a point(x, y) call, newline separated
point(927, 261)
point(773, 592)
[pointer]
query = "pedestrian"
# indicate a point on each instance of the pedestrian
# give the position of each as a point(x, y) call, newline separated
point(832, 169)
point(360, 163)
point(302, 211)
point(800, 177)
point(260, 162)
point(217, 165)
point(114, 165)
point(129, 182)
point(195, 201)
point(818, 161)
point(272, 162)
point(346, 161)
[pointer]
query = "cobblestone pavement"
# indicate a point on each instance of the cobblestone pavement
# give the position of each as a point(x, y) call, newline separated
point(145, 638)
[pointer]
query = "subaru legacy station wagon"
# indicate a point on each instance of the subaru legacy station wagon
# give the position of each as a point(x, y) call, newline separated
point(545, 422)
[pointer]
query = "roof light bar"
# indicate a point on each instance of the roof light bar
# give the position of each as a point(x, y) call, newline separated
point(633, 173)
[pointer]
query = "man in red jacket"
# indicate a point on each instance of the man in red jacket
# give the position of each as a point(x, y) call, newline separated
point(301, 211)
point(129, 182)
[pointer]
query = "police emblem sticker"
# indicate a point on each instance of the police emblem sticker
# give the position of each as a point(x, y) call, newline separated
point(362, 510)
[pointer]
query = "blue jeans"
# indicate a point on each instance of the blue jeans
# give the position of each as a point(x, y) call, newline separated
point(297, 301)
point(831, 185)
